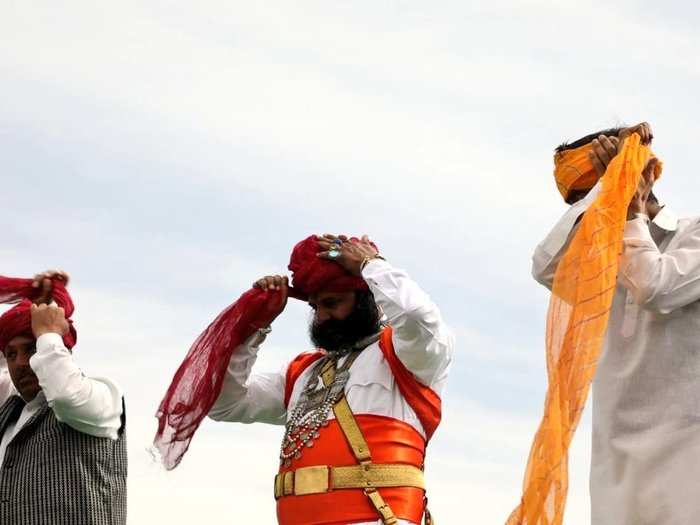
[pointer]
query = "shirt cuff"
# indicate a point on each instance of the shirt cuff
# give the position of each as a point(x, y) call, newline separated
point(373, 267)
point(637, 229)
point(47, 341)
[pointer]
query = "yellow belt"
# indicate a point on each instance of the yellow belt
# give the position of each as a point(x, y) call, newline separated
point(323, 478)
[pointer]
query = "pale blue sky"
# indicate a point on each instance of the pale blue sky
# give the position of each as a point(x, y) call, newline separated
point(168, 153)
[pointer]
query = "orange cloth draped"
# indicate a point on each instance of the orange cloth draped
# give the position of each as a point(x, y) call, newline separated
point(577, 319)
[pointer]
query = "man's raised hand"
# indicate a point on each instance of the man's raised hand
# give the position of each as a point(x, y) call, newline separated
point(278, 284)
point(348, 253)
point(48, 319)
point(43, 282)
point(638, 204)
point(604, 148)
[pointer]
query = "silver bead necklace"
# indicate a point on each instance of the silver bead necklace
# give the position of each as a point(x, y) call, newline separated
point(310, 413)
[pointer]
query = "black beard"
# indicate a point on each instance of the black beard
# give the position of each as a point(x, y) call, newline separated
point(335, 334)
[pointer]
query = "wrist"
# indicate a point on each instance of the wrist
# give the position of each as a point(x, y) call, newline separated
point(369, 259)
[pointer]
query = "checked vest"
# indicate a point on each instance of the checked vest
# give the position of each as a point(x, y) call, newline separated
point(54, 475)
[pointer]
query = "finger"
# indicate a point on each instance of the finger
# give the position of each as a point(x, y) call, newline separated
point(597, 165)
point(343, 238)
point(327, 255)
point(33, 308)
point(601, 151)
point(277, 280)
point(269, 282)
point(608, 146)
point(365, 239)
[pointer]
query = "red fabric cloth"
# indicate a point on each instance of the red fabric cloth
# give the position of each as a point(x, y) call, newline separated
point(197, 383)
point(311, 274)
point(17, 321)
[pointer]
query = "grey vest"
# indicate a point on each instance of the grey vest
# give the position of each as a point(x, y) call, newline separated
point(54, 475)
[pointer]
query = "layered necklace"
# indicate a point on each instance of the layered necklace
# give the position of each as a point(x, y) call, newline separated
point(316, 401)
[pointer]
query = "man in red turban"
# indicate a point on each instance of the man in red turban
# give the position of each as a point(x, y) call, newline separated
point(52, 414)
point(358, 411)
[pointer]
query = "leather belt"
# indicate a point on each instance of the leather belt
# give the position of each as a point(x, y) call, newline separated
point(323, 478)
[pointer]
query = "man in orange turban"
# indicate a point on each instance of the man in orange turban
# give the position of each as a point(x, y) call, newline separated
point(358, 412)
point(645, 365)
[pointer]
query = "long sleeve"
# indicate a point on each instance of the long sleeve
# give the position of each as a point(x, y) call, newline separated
point(550, 251)
point(90, 405)
point(247, 397)
point(422, 341)
point(662, 282)
point(7, 389)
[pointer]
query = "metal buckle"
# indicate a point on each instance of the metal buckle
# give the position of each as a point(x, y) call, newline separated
point(311, 480)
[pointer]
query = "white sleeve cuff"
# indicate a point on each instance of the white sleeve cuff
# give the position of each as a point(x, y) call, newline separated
point(637, 229)
point(47, 341)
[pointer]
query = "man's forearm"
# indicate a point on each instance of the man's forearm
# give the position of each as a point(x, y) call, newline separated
point(89, 405)
point(422, 340)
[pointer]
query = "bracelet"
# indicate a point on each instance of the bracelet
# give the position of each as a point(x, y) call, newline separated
point(369, 258)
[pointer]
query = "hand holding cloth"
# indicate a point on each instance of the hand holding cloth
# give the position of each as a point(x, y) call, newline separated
point(17, 321)
point(199, 379)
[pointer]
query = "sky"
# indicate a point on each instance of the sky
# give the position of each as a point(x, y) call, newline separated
point(168, 153)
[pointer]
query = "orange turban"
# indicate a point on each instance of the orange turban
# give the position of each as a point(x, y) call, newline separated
point(573, 170)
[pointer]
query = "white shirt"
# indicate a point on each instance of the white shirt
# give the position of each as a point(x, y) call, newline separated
point(89, 405)
point(422, 341)
point(645, 466)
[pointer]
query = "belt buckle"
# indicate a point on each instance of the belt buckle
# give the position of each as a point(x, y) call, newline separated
point(311, 480)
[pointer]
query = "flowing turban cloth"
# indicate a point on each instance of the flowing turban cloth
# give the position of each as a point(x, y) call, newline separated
point(17, 321)
point(198, 382)
point(579, 307)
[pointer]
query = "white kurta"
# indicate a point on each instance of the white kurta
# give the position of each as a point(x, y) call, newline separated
point(422, 341)
point(89, 405)
point(645, 466)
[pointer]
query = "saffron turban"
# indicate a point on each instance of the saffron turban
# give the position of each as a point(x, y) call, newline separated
point(573, 170)
point(199, 379)
point(577, 319)
point(17, 321)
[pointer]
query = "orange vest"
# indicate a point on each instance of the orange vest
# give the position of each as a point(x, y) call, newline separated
point(390, 441)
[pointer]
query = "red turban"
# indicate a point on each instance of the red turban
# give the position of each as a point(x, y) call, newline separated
point(17, 321)
point(198, 382)
point(311, 274)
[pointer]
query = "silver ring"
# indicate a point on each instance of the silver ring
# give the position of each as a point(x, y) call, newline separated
point(334, 254)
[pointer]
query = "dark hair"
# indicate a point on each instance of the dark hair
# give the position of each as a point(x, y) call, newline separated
point(610, 132)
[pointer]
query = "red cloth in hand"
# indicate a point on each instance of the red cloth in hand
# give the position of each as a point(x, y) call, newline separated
point(197, 383)
point(199, 379)
point(17, 321)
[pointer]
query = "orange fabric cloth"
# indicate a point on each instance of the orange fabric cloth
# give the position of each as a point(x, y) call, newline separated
point(422, 399)
point(573, 170)
point(577, 319)
point(390, 441)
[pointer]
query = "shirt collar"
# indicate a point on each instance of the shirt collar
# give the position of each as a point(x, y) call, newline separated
point(39, 400)
point(666, 220)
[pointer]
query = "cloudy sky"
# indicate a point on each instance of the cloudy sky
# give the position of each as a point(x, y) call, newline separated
point(168, 153)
